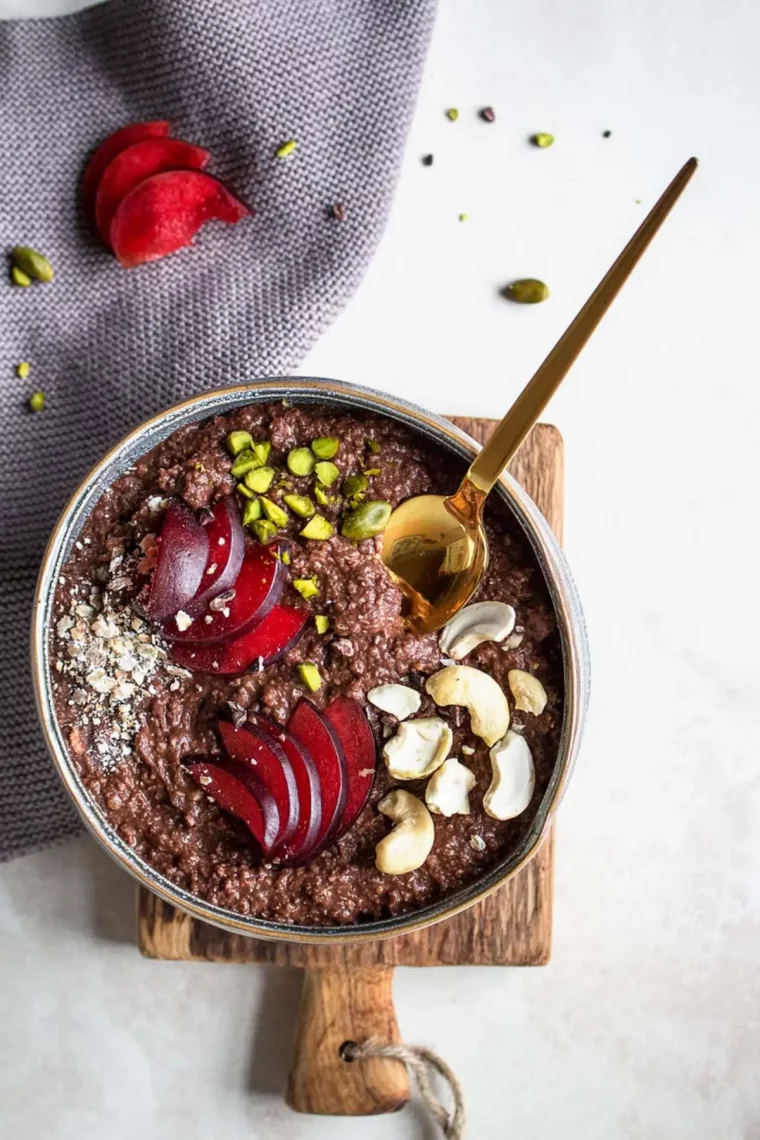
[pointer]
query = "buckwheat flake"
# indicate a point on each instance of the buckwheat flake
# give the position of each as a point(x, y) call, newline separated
point(477, 843)
point(183, 620)
point(87, 541)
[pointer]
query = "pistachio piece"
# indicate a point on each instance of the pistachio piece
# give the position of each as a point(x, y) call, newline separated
point(264, 530)
point(452, 114)
point(23, 369)
point(399, 700)
point(322, 622)
point(238, 441)
point(300, 505)
point(478, 693)
point(318, 528)
point(310, 675)
point(542, 139)
point(274, 513)
point(260, 479)
point(284, 151)
point(321, 496)
point(325, 447)
point(37, 402)
point(326, 472)
point(32, 263)
point(366, 521)
point(513, 778)
point(408, 845)
point(529, 693)
point(244, 462)
point(300, 461)
point(373, 446)
point(472, 625)
point(448, 790)
point(243, 490)
point(418, 748)
point(18, 277)
point(251, 512)
point(307, 587)
point(261, 450)
point(354, 485)
point(526, 291)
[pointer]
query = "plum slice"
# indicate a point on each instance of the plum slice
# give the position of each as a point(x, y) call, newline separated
point(269, 761)
point(226, 547)
point(267, 641)
point(304, 840)
point(181, 560)
point(110, 147)
point(242, 794)
point(350, 723)
point(309, 729)
point(136, 163)
point(163, 213)
point(258, 586)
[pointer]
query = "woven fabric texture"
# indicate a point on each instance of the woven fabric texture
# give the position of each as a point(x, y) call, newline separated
point(110, 347)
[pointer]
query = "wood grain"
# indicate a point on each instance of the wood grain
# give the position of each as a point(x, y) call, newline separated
point(512, 927)
point(340, 1005)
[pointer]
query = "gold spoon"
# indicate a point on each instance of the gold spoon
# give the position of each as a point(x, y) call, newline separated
point(436, 546)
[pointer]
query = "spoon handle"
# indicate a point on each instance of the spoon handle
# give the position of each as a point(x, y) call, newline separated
point(536, 394)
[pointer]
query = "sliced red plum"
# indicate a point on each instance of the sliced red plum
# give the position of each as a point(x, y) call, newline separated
point(309, 729)
point(269, 761)
point(348, 719)
point(181, 560)
point(258, 586)
point(226, 548)
point(267, 641)
point(306, 836)
point(111, 146)
point(164, 213)
point(133, 165)
point(242, 794)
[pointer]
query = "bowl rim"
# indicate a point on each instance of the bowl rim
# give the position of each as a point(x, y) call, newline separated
point(554, 569)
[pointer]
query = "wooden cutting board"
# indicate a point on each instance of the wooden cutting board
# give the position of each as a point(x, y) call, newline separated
point(348, 989)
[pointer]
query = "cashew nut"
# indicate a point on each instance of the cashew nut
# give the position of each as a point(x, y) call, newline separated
point(408, 845)
point(472, 625)
point(513, 779)
point(480, 695)
point(529, 693)
point(399, 700)
point(449, 787)
point(418, 748)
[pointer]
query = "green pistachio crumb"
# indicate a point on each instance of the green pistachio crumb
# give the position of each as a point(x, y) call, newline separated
point(261, 450)
point(325, 447)
point(307, 587)
point(260, 479)
point(238, 441)
point(243, 463)
point(542, 139)
point(300, 461)
point(372, 471)
point(37, 402)
point(251, 512)
point(274, 513)
point(18, 277)
point(463, 217)
point(22, 370)
point(327, 473)
point(322, 622)
point(286, 557)
point(373, 446)
point(321, 496)
point(452, 114)
point(241, 487)
point(318, 528)
point(366, 521)
point(355, 485)
point(32, 263)
point(526, 291)
point(300, 505)
point(310, 676)
point(286, 149)
point(264, 530)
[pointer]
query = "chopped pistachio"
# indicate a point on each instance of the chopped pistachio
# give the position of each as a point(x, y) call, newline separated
point(322, 622)
point(325, 447)
point(37, 402)
point(251, 512)
point(300, 461)
point(260, 479)
point(543, 139)
point(264, 530)
point(355, 485)
point(366, 521)
point(238, 441)
point(18, 277)
point(32, 263)
point(321, 496)
point(373, 446)
point(327, 473)
point(318, 528)
point(452, 114)
point(22, 370)
point(372, 471)
point(462, 217)
point(286, 557)
point(274, 513)
point(307, 587)
point(310, 676)
point(241, 487)
point(526, 291)
point(244, 462)
point(286, 149)
point(300, 505)
point(261, 450)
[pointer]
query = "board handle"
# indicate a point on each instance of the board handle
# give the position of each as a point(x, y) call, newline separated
point(340, 1005)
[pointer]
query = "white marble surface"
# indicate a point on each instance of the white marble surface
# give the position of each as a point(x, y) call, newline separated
point(646, 1023)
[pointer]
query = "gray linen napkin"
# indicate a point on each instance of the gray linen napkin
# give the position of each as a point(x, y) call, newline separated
point(110, 347)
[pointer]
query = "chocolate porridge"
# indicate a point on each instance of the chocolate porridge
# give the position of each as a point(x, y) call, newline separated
point(133, 710)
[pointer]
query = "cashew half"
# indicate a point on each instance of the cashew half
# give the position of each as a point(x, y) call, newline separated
point(529, 693)
point(418, 748)
point(513, 780)
point(480, 695)
point(400, 701)
point(408, 845)
point(449, 789)
point(472, 625)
